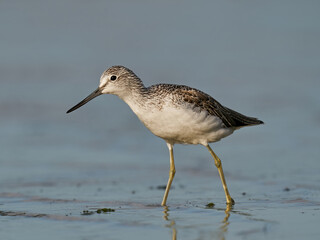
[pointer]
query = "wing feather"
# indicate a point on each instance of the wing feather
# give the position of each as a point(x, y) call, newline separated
point(205, 102)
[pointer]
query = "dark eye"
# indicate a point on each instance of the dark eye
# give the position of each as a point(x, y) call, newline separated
point(113, 78)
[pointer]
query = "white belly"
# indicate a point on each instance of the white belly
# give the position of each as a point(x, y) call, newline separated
point(182, 125)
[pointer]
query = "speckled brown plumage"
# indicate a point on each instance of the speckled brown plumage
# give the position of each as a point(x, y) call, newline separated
point(205, 102)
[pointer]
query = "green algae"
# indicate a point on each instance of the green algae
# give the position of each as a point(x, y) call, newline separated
point(104, 210)
point(210, 205)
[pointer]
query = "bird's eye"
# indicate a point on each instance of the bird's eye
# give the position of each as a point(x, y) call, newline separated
point(113, 78)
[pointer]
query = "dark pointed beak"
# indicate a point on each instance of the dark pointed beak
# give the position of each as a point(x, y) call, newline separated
point(96, 93)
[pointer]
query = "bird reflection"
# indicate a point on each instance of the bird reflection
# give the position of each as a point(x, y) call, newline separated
point(222, 230)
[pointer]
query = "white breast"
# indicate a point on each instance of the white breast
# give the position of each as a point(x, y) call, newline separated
point(181, 124)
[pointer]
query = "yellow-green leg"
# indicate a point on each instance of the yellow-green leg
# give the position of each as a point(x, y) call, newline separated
point(171, 175)
point(218, 164)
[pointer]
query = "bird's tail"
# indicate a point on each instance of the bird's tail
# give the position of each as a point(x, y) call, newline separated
point(240, 120)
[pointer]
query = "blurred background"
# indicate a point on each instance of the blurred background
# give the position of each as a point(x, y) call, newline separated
point(261, 58)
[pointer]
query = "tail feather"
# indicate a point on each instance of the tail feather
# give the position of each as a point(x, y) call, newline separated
point(240, 120)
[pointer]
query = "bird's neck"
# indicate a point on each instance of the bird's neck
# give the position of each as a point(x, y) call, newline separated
point(137, 96)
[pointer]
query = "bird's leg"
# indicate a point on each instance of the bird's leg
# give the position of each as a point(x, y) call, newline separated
point(218, 164)
point(171, 175)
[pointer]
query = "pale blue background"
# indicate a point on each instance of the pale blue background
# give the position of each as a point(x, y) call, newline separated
point(261, 58)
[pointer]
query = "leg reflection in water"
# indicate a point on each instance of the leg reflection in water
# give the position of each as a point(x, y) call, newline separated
point(221, 231)
point(225, 223)
point(172, 224)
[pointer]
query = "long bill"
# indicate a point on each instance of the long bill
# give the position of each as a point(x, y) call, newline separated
point(94, 94)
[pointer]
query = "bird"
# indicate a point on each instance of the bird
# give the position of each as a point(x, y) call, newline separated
point(178, 114)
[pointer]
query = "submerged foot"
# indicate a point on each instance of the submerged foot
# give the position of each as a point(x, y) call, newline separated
point(231, 202)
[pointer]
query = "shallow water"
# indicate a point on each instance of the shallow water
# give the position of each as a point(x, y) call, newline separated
point(261, 59)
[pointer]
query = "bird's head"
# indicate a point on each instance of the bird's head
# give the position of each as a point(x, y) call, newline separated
point(117, 80)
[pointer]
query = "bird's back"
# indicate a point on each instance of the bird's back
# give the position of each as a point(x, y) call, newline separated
point(181, 94)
